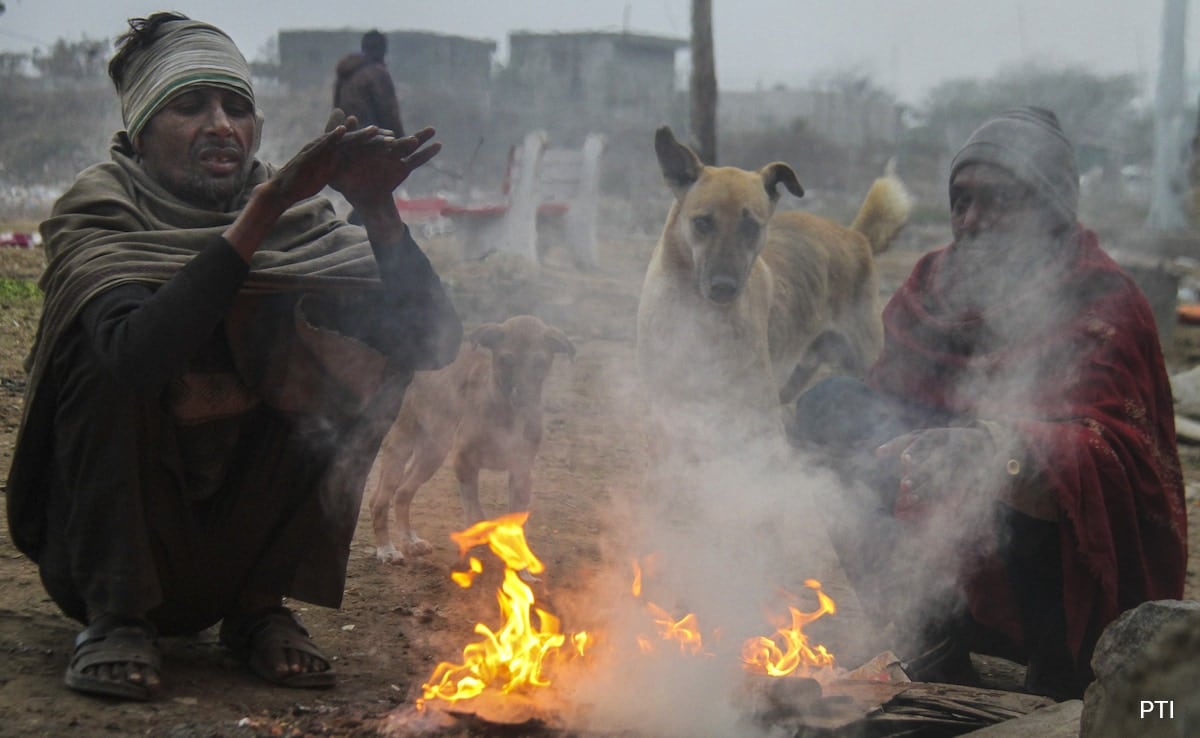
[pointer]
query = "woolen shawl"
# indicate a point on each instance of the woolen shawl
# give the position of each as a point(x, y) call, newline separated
point(116, 225)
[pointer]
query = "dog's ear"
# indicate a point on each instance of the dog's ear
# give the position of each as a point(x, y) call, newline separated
point(680, 165)
point(487, 335)
point(777, 173)
point(558, 342)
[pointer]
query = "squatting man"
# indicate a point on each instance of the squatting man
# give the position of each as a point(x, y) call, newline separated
point(217, 361)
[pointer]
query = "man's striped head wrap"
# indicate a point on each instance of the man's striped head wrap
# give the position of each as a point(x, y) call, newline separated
point(185, 54)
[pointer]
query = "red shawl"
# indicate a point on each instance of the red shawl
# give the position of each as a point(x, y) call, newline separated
point(1093, 410)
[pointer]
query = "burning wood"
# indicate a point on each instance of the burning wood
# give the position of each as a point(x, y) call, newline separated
point(885, 667)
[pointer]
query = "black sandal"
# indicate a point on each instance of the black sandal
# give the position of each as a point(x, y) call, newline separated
point(112, 639)
point(259, 636)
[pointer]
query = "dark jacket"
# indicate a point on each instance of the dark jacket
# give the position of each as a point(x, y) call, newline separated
point(364, 89)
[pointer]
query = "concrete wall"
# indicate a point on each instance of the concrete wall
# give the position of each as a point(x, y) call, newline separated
point(415, 59)
point(576, 82)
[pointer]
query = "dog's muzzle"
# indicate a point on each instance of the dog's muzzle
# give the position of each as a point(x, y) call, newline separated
point(722, 289)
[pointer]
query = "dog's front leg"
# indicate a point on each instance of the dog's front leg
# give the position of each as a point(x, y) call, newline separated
point(390, 463)
point(520, 487)
point(520, 497)
point(426, 460)
point(467, 473)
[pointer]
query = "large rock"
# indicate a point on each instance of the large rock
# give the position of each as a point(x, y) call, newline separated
point(1185, 389)
point(1147, 665)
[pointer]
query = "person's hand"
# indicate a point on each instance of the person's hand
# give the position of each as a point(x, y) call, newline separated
point(372, 166)
point(938, 462)
point(310, 169)
point(305, 174)
point(337, 117)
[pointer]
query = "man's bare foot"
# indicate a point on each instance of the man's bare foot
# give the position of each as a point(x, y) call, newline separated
point(116, 657)
point(276, 647)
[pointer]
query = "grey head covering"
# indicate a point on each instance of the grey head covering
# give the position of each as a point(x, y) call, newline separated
point(1029, 143)
point(185, 53)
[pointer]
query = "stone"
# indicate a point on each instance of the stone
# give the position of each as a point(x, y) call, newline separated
point(1185, 391)
point(1147, 674)
point(1129, 635)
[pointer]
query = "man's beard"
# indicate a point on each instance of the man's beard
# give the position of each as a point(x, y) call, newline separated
point(986, 268)
point(203, 189)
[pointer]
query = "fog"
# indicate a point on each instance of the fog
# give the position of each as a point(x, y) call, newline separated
point(907, 47)
point(731, 538)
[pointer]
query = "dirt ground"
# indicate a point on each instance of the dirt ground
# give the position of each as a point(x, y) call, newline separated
point(397, 622)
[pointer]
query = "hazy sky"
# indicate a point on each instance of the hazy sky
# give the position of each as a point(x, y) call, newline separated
point(907, 46)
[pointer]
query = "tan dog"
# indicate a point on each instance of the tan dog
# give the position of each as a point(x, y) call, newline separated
point(484, 410)
point(740, 305)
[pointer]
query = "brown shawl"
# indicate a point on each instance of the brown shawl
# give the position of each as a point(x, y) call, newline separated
point(116, 225)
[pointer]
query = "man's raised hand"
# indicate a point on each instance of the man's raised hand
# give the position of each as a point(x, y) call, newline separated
point(372, 168)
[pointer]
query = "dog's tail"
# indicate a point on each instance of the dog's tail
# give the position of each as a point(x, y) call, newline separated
point(884, 211)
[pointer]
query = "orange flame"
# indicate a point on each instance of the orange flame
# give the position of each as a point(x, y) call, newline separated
point(685, 631)
point(764, 656)
point(514, 656)
point(465, 579)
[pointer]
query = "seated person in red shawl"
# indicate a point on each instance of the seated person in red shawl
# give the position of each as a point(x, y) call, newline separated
point(218, 359)
point(1016, 483)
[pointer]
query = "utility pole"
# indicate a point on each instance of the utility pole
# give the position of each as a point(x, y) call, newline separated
point(1169, 178)
point(703, 84)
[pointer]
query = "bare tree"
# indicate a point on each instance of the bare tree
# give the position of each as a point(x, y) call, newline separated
point(75, 60)
point(703, 83)
point(1169, 177)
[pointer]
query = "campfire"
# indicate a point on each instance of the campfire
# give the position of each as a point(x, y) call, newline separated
point(518, 655)
point(788, 683)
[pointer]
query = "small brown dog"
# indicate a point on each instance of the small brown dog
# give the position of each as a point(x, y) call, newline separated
point(740, 304)
point(484, 410)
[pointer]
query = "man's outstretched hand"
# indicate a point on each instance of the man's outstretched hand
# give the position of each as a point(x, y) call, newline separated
point(939, 462)
point(364, 164)
point(310, 169)
point(373, 162)
point(371, 172)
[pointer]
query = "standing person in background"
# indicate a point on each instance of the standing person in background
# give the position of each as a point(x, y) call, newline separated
point(364, 86)
point(364, 89)
point(218, 359)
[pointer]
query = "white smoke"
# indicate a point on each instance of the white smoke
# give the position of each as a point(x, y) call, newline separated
point(725, 535)
point(730, 539)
